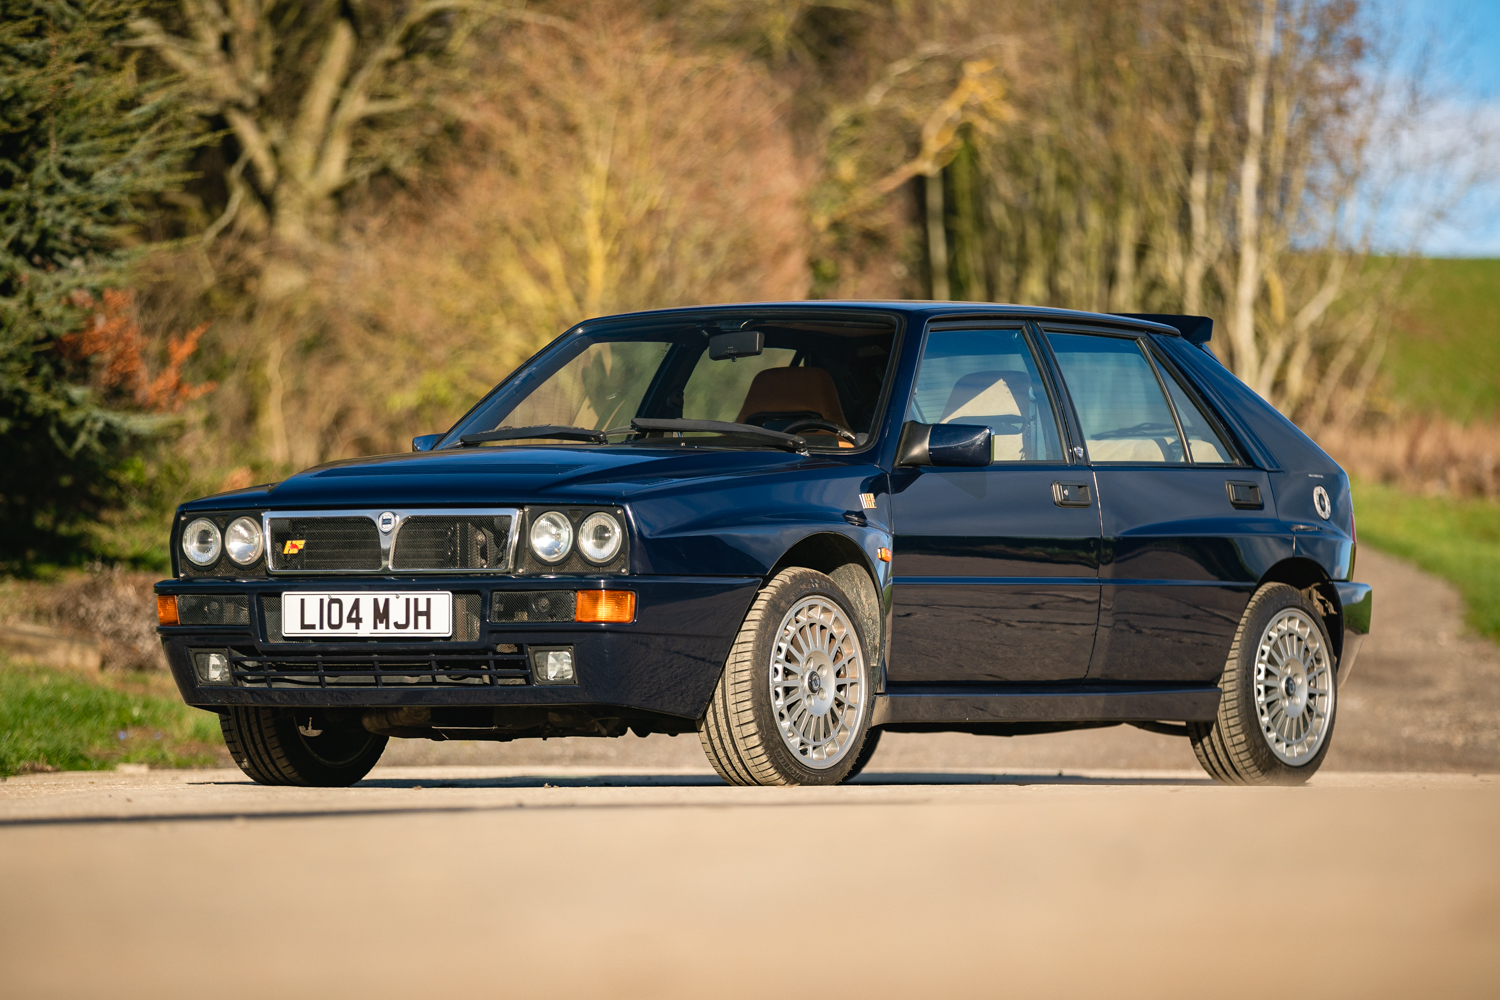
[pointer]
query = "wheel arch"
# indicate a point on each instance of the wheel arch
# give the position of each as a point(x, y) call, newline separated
point(1310, 578)
point(841, 558)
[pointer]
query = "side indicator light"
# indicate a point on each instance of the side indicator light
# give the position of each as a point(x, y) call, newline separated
point(166, 611)
point(884, 554)
point(605, 606)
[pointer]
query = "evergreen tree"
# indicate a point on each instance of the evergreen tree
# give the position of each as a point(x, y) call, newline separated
point(84, 145)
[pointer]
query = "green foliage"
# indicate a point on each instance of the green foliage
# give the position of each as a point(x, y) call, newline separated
point(54, 720)
point(1444, 355)
point(83, 144)
point(1456, 539)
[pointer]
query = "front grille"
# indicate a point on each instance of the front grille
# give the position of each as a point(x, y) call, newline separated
point(215, 609)
point(375, 670)
point(533, 606)
point(437, 542)
point(324, 544)
point(466, 612)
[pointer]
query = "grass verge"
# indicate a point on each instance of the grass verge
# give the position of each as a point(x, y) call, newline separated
point(52, 720)
point(1444, 356)
point(1458, 539)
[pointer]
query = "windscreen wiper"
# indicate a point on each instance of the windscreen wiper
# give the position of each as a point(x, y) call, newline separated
point(536, 431)
point(791, 442)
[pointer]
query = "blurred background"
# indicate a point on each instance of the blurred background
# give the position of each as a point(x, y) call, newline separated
point(240, 238)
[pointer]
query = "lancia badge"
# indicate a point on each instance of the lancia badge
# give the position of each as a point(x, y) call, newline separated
point(1321, 503)
point(387, 521)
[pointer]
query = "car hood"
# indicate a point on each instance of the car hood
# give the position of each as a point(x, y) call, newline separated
point(486, 476)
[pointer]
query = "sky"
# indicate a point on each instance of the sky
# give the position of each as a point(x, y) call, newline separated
point(1466, 45)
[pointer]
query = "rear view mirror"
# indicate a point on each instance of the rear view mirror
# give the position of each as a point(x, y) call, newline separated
point(425, 442)
point(944, 444)
point(739, 344)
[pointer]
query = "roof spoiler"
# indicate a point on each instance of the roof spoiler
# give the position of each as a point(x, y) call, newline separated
point(1194, 329)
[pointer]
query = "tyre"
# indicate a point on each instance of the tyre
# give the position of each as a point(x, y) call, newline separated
point(872, 743)
point(794, 702)
point(273, 749)
point(1276, 714)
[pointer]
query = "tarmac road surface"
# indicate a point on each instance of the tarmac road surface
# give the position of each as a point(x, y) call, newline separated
point(574, 881)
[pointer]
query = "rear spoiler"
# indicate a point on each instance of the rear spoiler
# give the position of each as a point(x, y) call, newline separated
point(1194, 329)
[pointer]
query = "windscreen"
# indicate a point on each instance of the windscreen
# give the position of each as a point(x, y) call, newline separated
point(820, 378)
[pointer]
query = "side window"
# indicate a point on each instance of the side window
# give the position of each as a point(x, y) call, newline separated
point(1204, 443)
point(1125, 417)
point(987, 377)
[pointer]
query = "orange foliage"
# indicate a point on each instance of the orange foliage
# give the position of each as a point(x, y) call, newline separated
point(1423, 454)
point(113, 339)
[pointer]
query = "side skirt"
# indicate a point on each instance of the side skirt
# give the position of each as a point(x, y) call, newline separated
point(962, 707)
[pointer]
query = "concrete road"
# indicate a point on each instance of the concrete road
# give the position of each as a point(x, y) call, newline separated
point(572, 881)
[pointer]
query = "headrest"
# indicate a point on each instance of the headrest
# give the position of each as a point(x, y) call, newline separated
point(793, 390)
point(988, 394)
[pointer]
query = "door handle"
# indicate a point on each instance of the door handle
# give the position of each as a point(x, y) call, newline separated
point(1072, 495)
point(1245, 496)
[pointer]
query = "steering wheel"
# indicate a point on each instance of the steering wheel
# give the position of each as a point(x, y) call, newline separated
point(822, 425)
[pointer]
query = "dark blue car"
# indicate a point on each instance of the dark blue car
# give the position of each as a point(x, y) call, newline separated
point(788, 528)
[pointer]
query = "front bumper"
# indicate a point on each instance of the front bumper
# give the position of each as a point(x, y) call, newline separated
point(667, 661)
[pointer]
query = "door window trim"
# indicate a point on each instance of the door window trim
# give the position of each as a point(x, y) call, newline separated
point(1152, 354)
point(1040, 354)
point(1172, 370)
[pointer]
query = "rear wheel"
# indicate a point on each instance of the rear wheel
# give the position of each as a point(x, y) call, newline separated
point(275, 748)
point(793, 705)
point(1276, 714)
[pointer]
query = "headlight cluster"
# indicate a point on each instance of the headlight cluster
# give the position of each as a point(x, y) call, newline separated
point(600, 537)
point(202, 541)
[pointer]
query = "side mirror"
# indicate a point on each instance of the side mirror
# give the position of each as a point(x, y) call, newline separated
point(944, 444)
point(424, 442)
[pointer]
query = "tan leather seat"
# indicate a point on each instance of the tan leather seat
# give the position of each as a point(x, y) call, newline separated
point(981, 397)
point(793, 390)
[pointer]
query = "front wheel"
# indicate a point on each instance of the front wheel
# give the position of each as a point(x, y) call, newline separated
point(793, 705)
point(275, 748)
point(1276, 713)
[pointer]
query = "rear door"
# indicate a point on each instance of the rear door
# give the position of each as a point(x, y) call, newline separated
point(996, 568)
point(1183, 526)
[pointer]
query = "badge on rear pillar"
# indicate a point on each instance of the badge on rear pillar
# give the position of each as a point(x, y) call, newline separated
point(387, 521)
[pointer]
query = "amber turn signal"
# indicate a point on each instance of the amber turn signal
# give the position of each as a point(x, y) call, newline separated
point(166, 611)
point(605, 606)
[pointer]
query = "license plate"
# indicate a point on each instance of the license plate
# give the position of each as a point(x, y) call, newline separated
point(422, 614)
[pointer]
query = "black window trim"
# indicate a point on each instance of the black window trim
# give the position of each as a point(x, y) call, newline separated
point(1217, 423)
point(1062, 414)
point(1144, 344)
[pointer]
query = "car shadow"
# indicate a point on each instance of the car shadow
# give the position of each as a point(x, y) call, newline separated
point(869, 778)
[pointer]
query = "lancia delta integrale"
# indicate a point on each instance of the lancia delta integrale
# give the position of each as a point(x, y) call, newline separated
point(789, 528)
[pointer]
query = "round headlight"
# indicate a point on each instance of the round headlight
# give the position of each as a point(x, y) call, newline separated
point(551, 537)
point(243, 541)
point(599, 537)
point(201, 542)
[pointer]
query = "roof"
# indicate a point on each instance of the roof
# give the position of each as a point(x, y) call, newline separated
point(1188, 327)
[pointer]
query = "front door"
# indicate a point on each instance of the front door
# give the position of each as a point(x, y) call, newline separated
point(995, 568)
point(1184, 527)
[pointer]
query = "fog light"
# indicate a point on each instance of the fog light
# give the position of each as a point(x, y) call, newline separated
point(553, 666)
point(166, 611)
point(605, 606)
point(212, 667)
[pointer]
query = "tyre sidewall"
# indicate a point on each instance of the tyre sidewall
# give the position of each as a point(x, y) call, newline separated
point(1266, 606)
point(791, 588)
